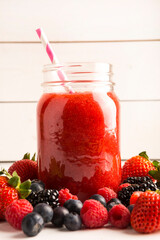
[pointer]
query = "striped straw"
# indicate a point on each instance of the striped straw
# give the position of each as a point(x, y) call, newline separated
point(62, 76)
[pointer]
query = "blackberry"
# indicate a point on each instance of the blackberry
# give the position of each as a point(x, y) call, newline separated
point(48, 196)
point(147, 185)
point(138, 180)
point(125, 194)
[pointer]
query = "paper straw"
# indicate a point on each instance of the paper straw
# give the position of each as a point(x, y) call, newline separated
point(62, 76)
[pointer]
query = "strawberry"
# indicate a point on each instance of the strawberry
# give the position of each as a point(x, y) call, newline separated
point(134, 197)
point(138, 166)
point(145, 217)
point(7, 196)
point(12, 190)
point(3, 181)
point(25, 168)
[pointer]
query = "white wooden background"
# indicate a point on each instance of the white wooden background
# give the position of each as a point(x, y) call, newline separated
point(125, 33)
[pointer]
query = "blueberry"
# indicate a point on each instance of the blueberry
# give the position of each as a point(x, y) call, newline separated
point(116, 200)
point(112, 202)
point(130, 207)
point(72, 221)
point(32, 224)
point(99, 198)
point(39, 182)
point(73, 205)
point(45, 211)
point(109, 206)
point(58, 216)
point(36, 187)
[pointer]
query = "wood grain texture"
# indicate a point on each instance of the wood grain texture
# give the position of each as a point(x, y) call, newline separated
point(140, 129)
point(80, 20)
point(135, 67)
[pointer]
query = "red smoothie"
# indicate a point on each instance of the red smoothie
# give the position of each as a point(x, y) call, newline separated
point(78, 141)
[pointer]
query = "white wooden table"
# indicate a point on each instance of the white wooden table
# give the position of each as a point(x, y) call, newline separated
point(49, 233)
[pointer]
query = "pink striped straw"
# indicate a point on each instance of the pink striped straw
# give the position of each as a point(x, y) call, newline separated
point(62, 76)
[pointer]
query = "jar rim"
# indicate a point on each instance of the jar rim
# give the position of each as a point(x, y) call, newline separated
point(78, 72)
point(91, 67)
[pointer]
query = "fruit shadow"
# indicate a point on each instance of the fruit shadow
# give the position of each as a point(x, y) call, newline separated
point(5, 227)
point(19, 235)
point(129, 230)
point(62, 229)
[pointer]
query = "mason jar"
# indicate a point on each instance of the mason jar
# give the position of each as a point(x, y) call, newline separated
point(78, 129)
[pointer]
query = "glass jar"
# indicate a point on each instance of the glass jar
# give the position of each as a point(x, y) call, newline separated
point(78, 129)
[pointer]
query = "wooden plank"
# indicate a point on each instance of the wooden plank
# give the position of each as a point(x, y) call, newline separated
point(5, 165)
point(140, 129)
point(135, 67)
point(18, 130)
point(80, 20)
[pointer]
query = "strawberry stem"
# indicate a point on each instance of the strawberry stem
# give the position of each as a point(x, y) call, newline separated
point(4, 172)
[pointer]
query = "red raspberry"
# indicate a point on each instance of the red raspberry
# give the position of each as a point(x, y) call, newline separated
point(107, 193)
point(65, 195)
point(94, 214)
point(119, 216)
point(123, 186)
point(16, 211)
point(134, 197)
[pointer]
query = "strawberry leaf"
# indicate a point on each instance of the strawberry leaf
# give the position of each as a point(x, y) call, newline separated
point(155, 174)
point(25, 185)
point(14, 174)
point(156, 164)
point(34, 157)
point(14, 181)
point(26, 156)
point(144, 154)
point(24, 193)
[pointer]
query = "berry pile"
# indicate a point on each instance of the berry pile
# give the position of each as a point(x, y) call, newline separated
point(132, 205)
point(137, 184)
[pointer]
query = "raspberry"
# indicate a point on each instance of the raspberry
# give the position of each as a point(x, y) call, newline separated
point(65, 195)
point(107, 193)
point(123, 186)
point(119, 216)
point(16, 211)
point(94, 214)
point(134, 197)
